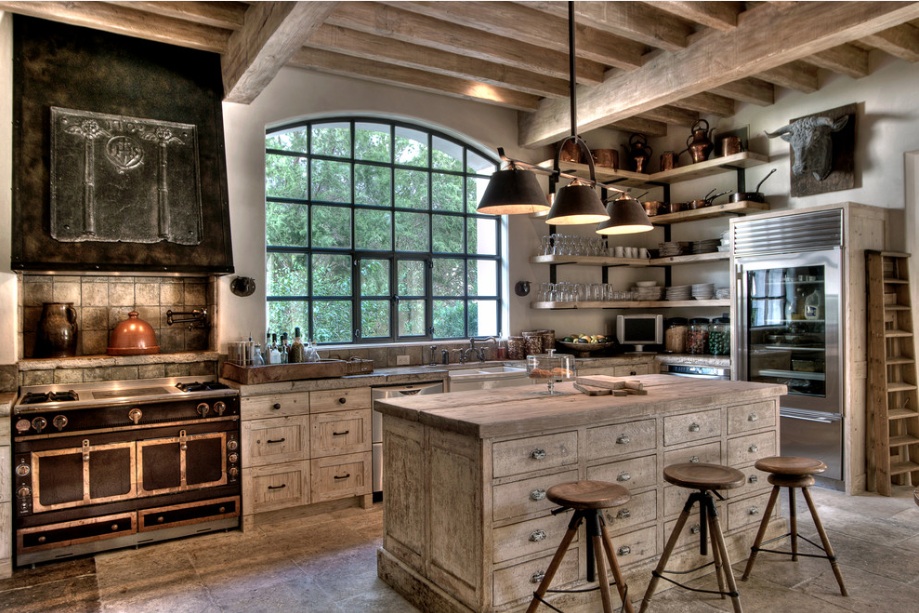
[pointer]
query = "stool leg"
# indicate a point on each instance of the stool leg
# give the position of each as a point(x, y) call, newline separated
point(671, 543)
point(556, 560)
point(793, 520)
point(614, 566)
point(826, 541)
point(762, 531)
point(716, 556)
point(593, 532)
point(718, 539)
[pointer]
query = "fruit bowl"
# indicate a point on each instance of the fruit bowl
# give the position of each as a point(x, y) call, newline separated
point(584, 348)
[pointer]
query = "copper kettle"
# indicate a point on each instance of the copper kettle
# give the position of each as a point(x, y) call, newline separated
point(700, 143)
point(638, 151)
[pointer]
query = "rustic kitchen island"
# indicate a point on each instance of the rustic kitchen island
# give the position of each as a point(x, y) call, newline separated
point(467, 526)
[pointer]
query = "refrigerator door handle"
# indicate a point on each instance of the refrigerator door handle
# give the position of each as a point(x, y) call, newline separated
point(814, 416)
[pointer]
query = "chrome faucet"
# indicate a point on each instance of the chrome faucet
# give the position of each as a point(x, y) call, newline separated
point(479, 352)
point(433, 355)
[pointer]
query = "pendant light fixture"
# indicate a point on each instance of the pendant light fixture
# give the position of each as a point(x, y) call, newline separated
point(513, 191)
point(626, 216)
point(577, 202)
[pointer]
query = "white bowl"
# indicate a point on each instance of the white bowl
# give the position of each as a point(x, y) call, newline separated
point(646, 283)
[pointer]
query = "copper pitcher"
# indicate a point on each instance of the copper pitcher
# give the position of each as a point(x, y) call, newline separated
point(699, 142)
point(638, 151)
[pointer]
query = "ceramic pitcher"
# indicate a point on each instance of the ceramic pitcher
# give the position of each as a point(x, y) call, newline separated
point(57, 331)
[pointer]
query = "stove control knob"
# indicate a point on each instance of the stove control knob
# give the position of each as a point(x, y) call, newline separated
point(59, 422)
point(220, 407)
point(203, 409)
point(23, 425)
point(135, 415)
point(23, 469)
point(232, 445)
point(233, 458)
point(39, 424)
point(233, 472)
point(24, 492)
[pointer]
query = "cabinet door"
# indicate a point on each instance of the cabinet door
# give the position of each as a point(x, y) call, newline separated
point(339, 432)
point(340, 476)
point(340, 400)
point(282, 439)
point(76, 476)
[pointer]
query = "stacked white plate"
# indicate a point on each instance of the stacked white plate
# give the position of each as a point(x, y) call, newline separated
point(723, 293)
point(670, 249)
point(679, 292)
point(647, 292)
point(708, 245)
point(725, 241)
point(703, 291)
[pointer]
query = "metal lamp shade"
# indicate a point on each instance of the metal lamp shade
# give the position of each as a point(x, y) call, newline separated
point(576, 204)
point(513, 191)
point(626, 216)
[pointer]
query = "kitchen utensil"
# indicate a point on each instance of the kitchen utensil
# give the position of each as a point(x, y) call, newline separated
point(638, 151)
point(755, 196)
point(592, 391)
point(730, 145)
point(133, 336)
point(606, 158)
point(699, 141)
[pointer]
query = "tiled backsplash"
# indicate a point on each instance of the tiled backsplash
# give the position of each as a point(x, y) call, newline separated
point(102, 302)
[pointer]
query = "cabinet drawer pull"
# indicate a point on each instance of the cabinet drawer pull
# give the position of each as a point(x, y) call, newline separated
point(276, 440)
point(624, 550)
point(623, 514)
point(342, 400)
point(694, 427)
point(624, 477)
point(538, 495)
point(345, 476)
point(753, 479)
point(695, 529)
point(753, 511)
point(694, 459)
point(538, 535)
point(277, 487)
point(114, 527)
point(340, 433)
point(276, 406)
point(623, 439)
point(537, 577)
point(753, 449)
point(539, 454)
point(752, 417)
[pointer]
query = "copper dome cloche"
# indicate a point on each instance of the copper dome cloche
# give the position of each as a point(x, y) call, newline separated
point(133, 336)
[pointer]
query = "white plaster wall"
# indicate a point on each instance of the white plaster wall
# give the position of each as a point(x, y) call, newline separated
point(9, 300)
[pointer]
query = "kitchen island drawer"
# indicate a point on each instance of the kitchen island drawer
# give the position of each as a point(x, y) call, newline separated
point(274, 405)
point(634, 474)
point(620, 439)
point(755, 416)
point(530, 537)
point(268, 488)
point(755, 481)
point(340, 400)
point(340, 476)
point(524, 455)
point(692, 426)
point(640, 509)
point(636, 546)
point(748, 449)
point(269, 441)
point(747, 511)
point(520, 581)
point(526, 497)
point(339, 432)
point(710, 453)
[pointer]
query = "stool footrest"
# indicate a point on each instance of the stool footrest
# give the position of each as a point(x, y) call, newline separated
point(574, 591)
point(824, 555)
point(660, 575)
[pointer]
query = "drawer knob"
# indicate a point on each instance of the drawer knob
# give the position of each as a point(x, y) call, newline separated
point(114, 527)
point(160, 519)
point(694, 427)
point(342, 400)
point(623, 514)
point(694, 459)
point(624, 550)
point(753, 449)
point(538, 454)
point(623, 439)
point(753, 479)
point(276, 406)
point(538, 535)
point(537, 577)
point(753, 511)
point(624, 477)
point(538, 495)
point(752, 417)
point(695, 529)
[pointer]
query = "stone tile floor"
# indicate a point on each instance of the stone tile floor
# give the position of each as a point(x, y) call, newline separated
point(327, 564)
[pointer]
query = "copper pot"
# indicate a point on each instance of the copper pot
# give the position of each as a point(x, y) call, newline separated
point(133, 336)
point(606, 158)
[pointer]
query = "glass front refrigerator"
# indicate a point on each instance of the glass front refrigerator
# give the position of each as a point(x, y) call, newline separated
point(788, 308)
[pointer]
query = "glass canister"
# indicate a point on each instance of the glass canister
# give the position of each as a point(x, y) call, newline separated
point(697, 337)
point(516, 348)
point(677, 329)
point(719, 336)
point(534, 341)
point(548, 339)
point(551, 367)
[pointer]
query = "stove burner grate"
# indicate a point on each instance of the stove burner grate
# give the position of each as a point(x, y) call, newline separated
point(42, 397)
point(197, 386)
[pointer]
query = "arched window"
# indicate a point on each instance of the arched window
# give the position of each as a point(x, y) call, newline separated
point(372, 233)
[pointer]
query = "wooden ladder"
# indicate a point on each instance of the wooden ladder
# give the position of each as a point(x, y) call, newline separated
point(893, 405)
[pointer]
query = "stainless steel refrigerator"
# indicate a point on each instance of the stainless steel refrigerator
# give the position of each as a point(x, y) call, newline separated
point(788, 308)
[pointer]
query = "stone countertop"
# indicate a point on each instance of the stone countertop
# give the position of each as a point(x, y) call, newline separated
point(530, 410)
point(6, 403)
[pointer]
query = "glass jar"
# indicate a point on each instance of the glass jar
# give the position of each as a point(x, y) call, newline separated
point(719, 336)
point(534, 341)
point(516, 348)
point(675, 335)
point(697, 337)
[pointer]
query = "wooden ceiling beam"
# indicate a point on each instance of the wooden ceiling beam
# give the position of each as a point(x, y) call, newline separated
point(370, 47)
point(752, 90)
point(799, 76)
point(226, 15)
point(901, 41)
point(847, 60)
point(388, 74)
point(632, 20)
point(391, 22)
point(272, 32)
point(126, 21)
point(795, 30)
point(518, 22)
point(718, 15)
point(671, 115)
point(707, 103)
point(640, 125)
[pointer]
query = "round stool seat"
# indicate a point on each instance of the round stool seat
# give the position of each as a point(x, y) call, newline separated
point(588, 495)
point(790, 465)
point(701, 476)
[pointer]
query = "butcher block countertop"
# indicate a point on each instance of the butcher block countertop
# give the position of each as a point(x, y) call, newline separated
point(522, 410)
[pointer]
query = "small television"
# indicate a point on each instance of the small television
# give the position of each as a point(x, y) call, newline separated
point(640, 330)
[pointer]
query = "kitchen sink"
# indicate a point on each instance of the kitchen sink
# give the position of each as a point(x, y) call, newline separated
point(487, 377)
point(500, 369)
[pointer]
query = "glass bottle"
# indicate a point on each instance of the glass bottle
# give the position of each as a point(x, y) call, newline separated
point(297, 352)
point(282, 349)
point(273, 351)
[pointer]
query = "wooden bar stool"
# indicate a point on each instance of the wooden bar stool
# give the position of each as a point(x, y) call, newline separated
point(587, 498)
point(792, 472)
point(706, 479)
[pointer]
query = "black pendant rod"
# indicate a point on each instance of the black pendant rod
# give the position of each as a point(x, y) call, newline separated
point(572, 70)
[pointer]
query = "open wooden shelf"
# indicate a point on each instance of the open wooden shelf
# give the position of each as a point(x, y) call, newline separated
point(629, 304)
point(592, 260)
point(744, 207)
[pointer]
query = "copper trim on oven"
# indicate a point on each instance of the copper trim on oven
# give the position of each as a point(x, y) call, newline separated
point(115, 532)
point(182, 441)
point(235, 500)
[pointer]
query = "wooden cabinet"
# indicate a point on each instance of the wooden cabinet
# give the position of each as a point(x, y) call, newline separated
point(468, 524)
point(6, 489)
point(301, 448)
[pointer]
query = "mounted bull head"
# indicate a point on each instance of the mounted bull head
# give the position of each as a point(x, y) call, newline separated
point(811, 143)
